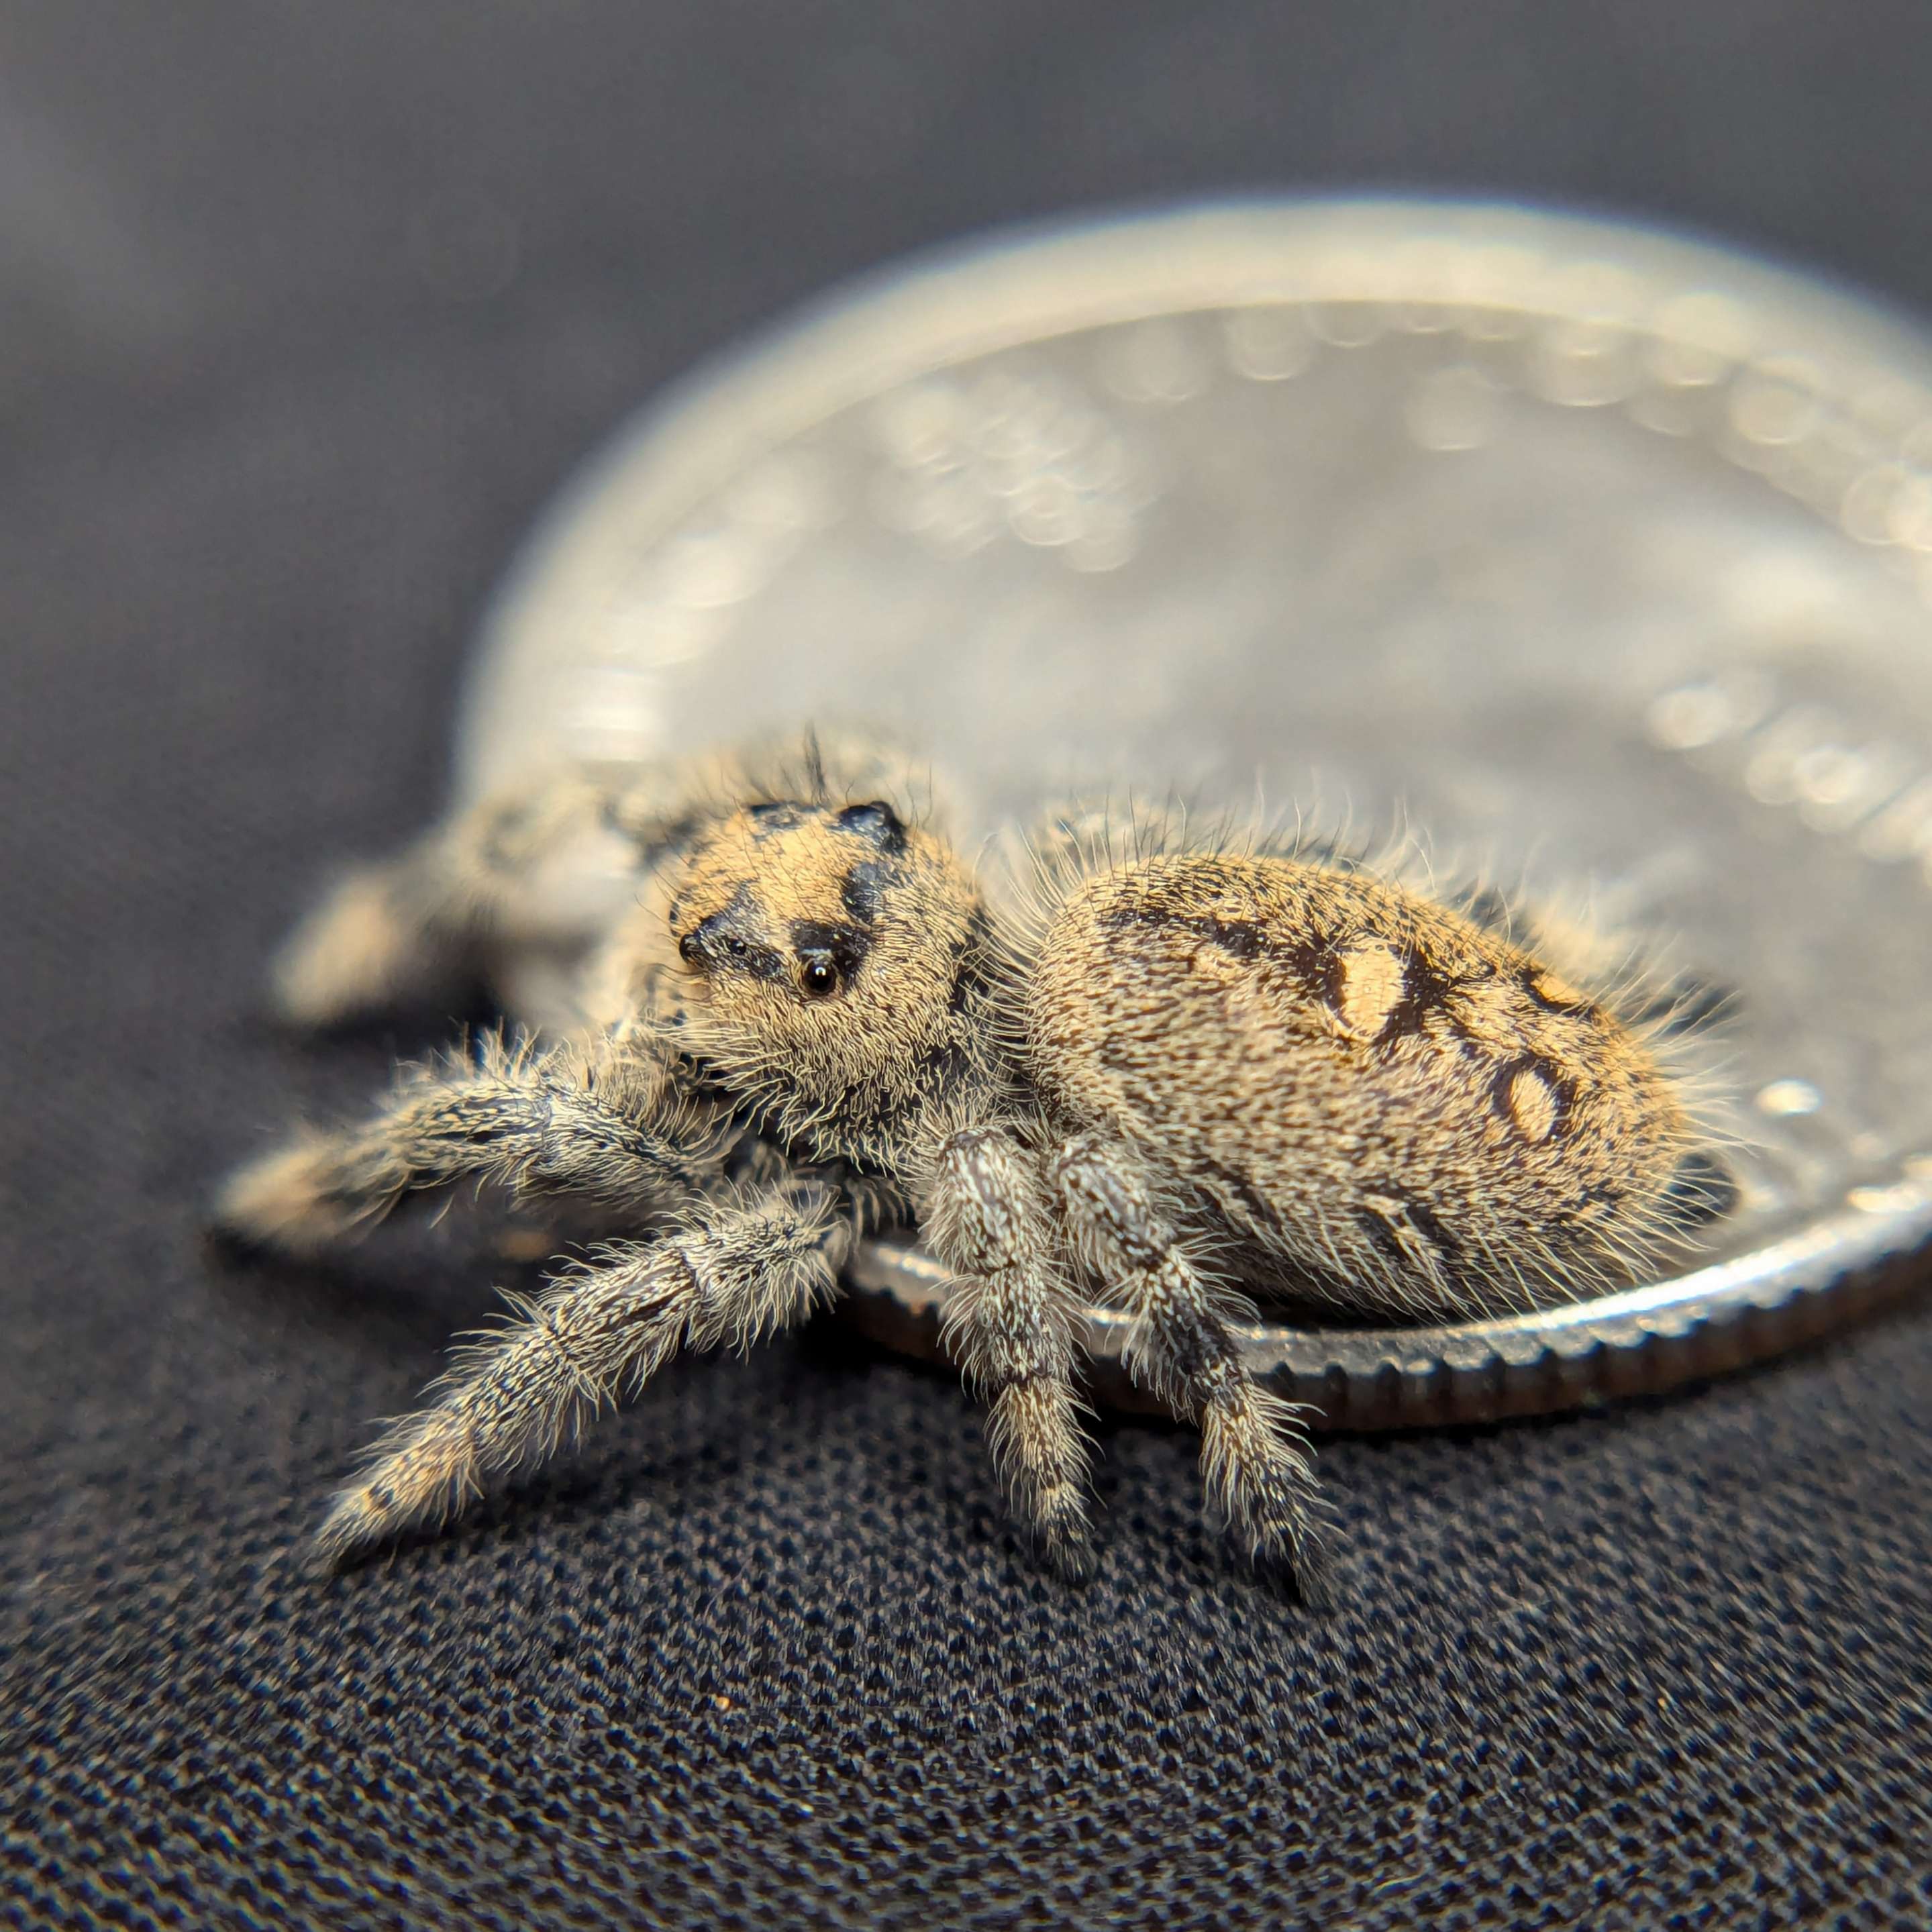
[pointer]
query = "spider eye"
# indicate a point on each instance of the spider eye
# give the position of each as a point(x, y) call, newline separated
point(689, 950)
point(737, 948)
point(817, 978)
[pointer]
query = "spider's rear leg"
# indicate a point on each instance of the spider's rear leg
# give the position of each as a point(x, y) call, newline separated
point(1256, 1466)
point(1012, 1322)
point(416, 926)
point(605, 1125)
point(735, 1271)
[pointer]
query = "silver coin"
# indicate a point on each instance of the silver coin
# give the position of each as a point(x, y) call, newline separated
point(1599, 555)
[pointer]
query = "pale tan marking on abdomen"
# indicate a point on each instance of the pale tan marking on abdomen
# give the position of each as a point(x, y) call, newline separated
point(1533, 1104)
point(1369, 983)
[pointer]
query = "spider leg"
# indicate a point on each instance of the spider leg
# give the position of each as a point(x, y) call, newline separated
point(411, 926)
point(604, 1123)
point(1013, 1322)
point(1255, 1466)
point(734, 1271)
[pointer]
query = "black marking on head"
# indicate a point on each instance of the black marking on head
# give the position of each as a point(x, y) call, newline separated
point(877, 822)
point(726, 939)
point(814, 939)
point(773, 815)
point(1702, 1190)
point(862, 892)
point(1562, 1091)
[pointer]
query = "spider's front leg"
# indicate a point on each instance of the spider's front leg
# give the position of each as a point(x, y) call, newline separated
point(604, 1123)
point(1259, 1476)
point(1012, 1321)
point(734, 1271)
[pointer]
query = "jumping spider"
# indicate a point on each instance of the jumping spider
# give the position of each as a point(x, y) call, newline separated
point(1173, 1068)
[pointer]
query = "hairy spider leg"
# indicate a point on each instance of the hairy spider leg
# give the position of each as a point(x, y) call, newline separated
point(732, 1270)
point(1255, 1461)
point(1013, 1322)
point(604, 1123)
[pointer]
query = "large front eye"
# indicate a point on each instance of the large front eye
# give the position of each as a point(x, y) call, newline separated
point(817, 978)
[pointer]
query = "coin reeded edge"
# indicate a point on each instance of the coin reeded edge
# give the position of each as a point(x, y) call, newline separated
point(1640, 1341)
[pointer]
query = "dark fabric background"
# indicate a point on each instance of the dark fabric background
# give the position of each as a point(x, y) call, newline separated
point(304, 311)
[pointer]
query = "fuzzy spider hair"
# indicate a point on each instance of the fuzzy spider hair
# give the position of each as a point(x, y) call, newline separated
point(1170, 1069)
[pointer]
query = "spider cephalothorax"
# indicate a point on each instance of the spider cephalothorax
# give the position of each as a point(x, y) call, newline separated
point(1167, 1073)
point(828, 964)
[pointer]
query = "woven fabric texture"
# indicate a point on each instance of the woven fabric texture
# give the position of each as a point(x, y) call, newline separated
point(304, 311)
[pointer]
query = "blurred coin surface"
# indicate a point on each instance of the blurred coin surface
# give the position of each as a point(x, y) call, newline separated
point(1595, 557)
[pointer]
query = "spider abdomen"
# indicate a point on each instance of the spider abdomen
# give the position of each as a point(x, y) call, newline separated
point(1381, 1101)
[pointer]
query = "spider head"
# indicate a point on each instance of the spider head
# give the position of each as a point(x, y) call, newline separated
point(825, 953)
